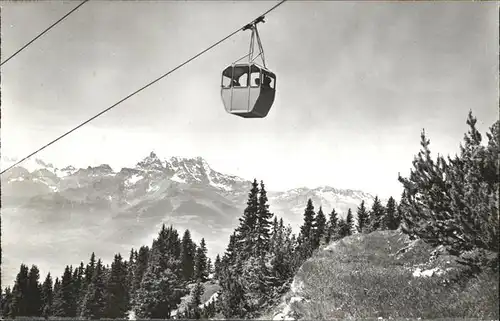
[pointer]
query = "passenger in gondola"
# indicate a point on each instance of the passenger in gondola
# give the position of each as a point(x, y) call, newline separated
point(257, 82)
point(236, 83)
point(267, 82)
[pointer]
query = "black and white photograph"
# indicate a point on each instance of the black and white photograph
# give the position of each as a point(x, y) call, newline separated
point(260, 160)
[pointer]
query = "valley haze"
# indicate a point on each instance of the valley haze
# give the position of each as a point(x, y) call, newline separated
point(54, 217)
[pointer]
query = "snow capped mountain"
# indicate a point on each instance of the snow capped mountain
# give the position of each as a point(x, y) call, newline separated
point(106, 211)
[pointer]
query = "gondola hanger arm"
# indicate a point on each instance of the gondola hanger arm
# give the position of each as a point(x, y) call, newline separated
point(254, 23)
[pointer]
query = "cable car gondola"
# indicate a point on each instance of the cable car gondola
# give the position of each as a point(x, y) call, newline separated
point(248, 89)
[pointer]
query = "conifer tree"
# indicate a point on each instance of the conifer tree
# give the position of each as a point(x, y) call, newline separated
point(232, 299)
point(94, 302)
point(376, 215)
point(19, 303)
point(320, 231)
point(201, 268)
point(229, 257)
point(81, 287)
point(131, 264)
point(64, 298)
point(196, 294)
point(274, 235)
point(47, 296)
point(349, 220)
point(187, 256)
point(342, 230)
point(363, 218)
point(210, 269)
point(390, 219)
point(217, 267)
point(88, 274)
point(139, 269)
point(246, 233)
point(34, 293)
point(332, 226)
point(7, 303)
point(160, 290)
point(455, 203)
point(116, 290)
point(264, 217)
point(309, 221)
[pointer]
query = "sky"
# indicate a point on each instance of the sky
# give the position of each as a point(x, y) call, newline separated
point(356, 84)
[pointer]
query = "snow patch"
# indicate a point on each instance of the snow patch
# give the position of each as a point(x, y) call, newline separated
point(52, 187)
point(133, 180)
point(220, 186)
point(153, 188)
point(427, 273)
point(177, 179)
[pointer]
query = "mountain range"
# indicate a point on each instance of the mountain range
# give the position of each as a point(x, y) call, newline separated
point(57, 216)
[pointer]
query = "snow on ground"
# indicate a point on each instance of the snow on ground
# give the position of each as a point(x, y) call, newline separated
point(153, 188)
point(53, 188)
point(177, 179)
point(427, 273)
point(133, 179)
point(220, 186)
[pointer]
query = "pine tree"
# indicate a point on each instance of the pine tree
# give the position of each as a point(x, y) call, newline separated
point(76, 288)
point(232, 299)
point(217, 267)
point(390, 219)
point(131, 264)
point(94, 302)
point(64, 297)
point(139, 269)
point(196, 294)
point(320, 231)
point(376, 215)
point(19, 303)
point(263, 222)
point(246, 235)
point(210, 268)
point(81, 287)
point(88, 274)
point(160, 290)
point(309, 222)
point(7, 303)
point(34, 292)
point(47, 296)
point(342, 231)
point(187, 256)
point(332, 226)
point(363, 218)
point(349, 220)
point(455, 202)
point(274, 235)
point(231, 251)
point(201, 268)
point(116, 290)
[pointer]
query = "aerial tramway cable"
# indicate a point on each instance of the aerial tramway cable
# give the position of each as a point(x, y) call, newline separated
point(43, 32)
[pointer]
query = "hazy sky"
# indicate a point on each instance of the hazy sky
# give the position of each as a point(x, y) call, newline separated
point(356, 83)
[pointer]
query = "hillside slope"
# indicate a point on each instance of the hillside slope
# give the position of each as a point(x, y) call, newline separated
point(384, 274)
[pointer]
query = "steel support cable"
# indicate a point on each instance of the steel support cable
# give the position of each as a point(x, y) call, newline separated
point(43, 32)
point(139, 90)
